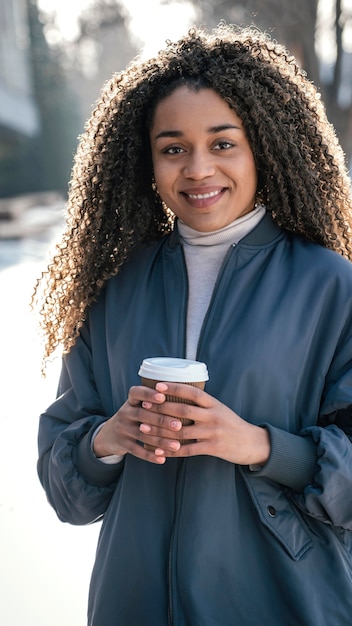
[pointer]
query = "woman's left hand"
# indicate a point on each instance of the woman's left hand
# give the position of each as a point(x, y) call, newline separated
point(216, 431)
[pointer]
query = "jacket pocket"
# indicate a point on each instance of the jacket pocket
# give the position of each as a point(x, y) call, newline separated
point(278, 514)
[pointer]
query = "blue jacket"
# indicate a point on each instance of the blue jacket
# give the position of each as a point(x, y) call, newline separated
point(201, 541)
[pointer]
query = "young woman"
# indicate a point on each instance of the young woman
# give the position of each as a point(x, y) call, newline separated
point(209, 217)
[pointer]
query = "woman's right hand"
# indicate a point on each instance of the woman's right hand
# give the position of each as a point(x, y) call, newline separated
point(121, 433)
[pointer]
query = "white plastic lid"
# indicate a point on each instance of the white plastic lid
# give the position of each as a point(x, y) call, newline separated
point(174, 370)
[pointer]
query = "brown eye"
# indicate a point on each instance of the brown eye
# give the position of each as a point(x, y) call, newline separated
point(223, 145)
point(173, 150)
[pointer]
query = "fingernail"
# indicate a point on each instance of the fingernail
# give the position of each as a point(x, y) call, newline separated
point(145, 428)
point(174, 445)
point(146, 405)
point(161, 387)
point(159, 396)
point(176, 424)
point(159, 452)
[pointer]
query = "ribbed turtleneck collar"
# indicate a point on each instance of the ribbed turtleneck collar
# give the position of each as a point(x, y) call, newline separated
point(232, 233)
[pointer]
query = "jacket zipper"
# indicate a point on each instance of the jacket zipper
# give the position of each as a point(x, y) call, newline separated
point(180, 475)
point(183, 461)
point(181, 465)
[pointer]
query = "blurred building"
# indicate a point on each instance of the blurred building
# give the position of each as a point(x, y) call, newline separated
point(18, 112)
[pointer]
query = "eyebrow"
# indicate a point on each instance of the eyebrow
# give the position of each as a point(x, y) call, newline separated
point(212, 129)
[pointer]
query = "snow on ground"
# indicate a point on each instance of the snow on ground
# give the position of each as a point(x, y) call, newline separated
point(45, 564)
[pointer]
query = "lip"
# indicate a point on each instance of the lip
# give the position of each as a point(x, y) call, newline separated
point(202, 197)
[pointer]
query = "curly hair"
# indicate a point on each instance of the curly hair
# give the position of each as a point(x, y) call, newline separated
point(302, 176)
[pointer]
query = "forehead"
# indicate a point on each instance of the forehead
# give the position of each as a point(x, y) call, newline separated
point(184, 105)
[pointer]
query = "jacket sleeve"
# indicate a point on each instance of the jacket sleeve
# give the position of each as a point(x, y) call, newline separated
point(316, 464)
point(77, 484)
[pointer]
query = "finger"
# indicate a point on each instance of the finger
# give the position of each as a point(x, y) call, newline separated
point(149, 429)
point(171, 414)
point(155, 438)
point(160, 419)
point(209, 431)
point(193, 448)
point(138, 394)
point(145, 454)
point(185, 392)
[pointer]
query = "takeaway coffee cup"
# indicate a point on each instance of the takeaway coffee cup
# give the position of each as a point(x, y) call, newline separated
point(169, 369)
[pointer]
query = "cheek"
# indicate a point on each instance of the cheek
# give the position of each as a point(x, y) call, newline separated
point(254, 179)
point(249, 174)
point(253, 171)
point(163, 177)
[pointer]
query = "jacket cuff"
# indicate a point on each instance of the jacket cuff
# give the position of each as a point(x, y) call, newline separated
point(292, 461)
point(90, 467)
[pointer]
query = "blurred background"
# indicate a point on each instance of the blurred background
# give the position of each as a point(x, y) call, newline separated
point(55, 56)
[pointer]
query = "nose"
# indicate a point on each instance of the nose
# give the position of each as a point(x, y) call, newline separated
point(199, 165)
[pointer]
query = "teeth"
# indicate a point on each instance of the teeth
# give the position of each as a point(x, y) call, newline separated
point(201, 196)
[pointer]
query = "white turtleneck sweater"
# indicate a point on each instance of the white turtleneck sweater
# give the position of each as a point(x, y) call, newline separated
point(204, 254)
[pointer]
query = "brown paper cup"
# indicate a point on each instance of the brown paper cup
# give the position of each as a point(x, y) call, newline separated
point(171, 376)
point(148, 382)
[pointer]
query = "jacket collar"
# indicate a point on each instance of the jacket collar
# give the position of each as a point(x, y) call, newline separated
point(262, 234)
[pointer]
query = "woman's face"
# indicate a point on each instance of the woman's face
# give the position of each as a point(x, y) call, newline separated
point(203, 165)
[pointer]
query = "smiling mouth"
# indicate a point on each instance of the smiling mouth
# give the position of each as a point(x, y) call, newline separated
point(203, 196)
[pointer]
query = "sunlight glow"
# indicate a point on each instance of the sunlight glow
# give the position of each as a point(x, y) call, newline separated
point(151, 23)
